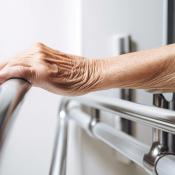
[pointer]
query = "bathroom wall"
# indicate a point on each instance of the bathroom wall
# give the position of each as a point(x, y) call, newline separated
point(22, 23)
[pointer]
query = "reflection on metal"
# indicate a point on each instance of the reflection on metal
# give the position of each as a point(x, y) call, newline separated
point(162, 137)
point(156, 160)
point(134, 150)
point(60, 146)
point(163, 140)
point(11, 95)
point(150, 160)
point(165, 165)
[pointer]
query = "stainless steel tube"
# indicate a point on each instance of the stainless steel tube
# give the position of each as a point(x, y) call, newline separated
point(127, 145)
point(166, 165)
point(116, 139)
point(153, 116)
point(58, 163)
point(11, 95)
point(123, 143)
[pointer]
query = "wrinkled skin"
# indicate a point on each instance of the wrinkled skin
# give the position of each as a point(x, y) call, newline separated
point(51, 70)
point(66, 74)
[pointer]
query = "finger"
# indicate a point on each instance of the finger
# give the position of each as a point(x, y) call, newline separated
point(15, 72)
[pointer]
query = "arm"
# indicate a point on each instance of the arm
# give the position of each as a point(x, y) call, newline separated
point(152, 70)
point(67, 74)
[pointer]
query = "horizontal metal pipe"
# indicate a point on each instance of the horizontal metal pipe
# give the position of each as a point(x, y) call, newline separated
point(121, 142)
point(115, 139)
point(81, 118)
point(153, 116)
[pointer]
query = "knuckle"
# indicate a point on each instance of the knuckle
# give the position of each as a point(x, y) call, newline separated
point(39, 47)
point(39, 51)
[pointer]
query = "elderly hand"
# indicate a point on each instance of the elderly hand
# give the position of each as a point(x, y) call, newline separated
point(66, 74)
point(52, 70)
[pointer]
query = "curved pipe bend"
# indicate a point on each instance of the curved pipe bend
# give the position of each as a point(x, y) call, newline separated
point(12, 93)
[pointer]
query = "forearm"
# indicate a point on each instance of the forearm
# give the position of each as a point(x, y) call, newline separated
point(67, 74)
point(151, 70)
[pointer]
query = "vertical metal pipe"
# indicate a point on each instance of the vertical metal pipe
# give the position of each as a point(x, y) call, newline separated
point(127, 125)
point(58, 164)
point(158, 135)
point(172, 136)
point(124, 46)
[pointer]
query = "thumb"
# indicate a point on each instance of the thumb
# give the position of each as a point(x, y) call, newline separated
point(15, 72)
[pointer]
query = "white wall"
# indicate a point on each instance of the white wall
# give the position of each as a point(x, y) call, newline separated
point(102, 19)
point(22, 23)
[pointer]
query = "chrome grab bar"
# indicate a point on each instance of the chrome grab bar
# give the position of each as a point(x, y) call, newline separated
point(155, 160)
point(11, 95)
point(138, 152)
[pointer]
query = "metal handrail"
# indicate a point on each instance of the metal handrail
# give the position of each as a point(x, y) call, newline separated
point(163, 119)
point(154, 160)
point(133, 149)
point(11, 96)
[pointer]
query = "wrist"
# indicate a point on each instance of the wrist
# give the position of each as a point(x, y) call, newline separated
point(94, 75)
